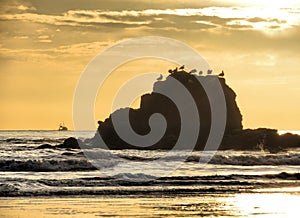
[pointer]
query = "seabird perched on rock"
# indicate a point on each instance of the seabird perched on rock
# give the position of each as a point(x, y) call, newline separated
point(222, 74)
point(181, 68)
point(193, 71)
point(170, 71)
point(200, 72)
point(160, 77)
point(209, 71)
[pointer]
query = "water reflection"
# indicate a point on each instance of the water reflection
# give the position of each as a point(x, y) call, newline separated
point(207, 205)
point(265, 204)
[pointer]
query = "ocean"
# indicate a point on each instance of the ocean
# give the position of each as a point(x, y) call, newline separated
point(63, 183)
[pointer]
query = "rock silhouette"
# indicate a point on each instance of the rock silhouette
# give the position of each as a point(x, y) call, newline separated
point(69, 143)
point(234, 137)
point(157, 103)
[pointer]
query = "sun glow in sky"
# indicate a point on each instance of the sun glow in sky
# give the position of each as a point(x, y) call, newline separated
point(267, 3)
point(45, 46)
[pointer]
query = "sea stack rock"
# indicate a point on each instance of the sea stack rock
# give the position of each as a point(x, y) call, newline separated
point(71, 143)
point(157, 103)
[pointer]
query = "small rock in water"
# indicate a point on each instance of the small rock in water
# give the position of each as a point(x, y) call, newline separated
point(45, 146)
point(69, 143)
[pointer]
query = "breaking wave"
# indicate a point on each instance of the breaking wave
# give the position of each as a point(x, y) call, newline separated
point(77, 162)
point(252, 160)
point(46, 165)
point(31, 141)
point(119, 185)
point(242, 160)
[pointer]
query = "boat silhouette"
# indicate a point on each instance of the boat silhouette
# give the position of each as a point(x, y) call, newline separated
point(62, 127)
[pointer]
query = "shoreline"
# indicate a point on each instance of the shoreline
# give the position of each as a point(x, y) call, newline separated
point(236, 205)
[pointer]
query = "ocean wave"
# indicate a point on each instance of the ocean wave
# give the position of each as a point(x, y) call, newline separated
point(252, 160)
point(139, 177)
point(123, 191)
point(119, 185)
point(31, 141)
point(242, 160)
point(77, 161)
point(46, 165)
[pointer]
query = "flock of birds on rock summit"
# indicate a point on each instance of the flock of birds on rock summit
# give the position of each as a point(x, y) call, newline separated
point(181, 69)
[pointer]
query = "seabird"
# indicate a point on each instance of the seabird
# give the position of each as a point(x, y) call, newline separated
point(222, 74)
point(200, 72)
point(170, 71)
point(160, 77)
point(209, 71)
point(182, 67)
point(175, 70)
point(193, 71)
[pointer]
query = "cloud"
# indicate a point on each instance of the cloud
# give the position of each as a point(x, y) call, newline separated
point(25, 8)
point(45, 40)
point(267, 26)
point(206, 27)
point(55, 53)
point(261, 19)
point(16, 6)
point(70, 18)
point(80, 49)
point(44, 37)
point(21, 37)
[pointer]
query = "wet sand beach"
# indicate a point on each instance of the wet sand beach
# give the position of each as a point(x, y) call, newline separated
point(210, 205)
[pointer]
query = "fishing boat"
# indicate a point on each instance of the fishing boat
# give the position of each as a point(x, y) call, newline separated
point(62, 127)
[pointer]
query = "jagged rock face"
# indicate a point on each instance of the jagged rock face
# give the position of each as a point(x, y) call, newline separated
point(157, 103)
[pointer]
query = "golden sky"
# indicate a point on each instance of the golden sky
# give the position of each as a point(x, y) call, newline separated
point(45, 46)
